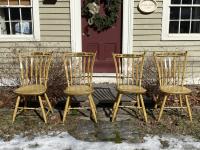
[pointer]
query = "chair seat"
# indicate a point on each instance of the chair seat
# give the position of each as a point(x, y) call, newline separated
point(31, 90)
point(175, 89)
point(78, 90)
point(131, 89)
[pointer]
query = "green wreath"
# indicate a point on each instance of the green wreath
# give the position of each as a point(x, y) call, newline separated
point(95, 20)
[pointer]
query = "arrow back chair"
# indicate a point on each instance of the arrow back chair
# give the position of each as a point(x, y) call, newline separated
point(79, 71)
point(34, 75)
point(129, 71)
point(171, 72)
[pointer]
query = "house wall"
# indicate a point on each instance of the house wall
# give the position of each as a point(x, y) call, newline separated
point(55, 36)
point(147, 36)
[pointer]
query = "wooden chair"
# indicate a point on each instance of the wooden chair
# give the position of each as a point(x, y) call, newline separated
point(171, 73)
point(129, 71)
point(34, 75)
point(79, 71)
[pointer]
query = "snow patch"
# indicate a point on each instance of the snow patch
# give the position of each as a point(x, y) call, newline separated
point(64, 141)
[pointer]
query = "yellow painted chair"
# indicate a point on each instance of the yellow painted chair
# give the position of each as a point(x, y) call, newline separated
point(34, 76)
point(129, 71)
point(171, 72)
point(79, 72)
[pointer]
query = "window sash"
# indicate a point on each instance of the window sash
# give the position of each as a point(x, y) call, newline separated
point(35, 26)
point(186, 23)
point(17, 26)
point(16, 2)
point(166, 20)
point(20, 24)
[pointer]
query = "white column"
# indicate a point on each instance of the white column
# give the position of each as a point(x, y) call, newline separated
point(127, 26)
point(76, 33)
point(36, 20)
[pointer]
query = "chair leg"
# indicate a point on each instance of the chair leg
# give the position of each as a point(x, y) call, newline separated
point(16, 108)
point(48, 102)
point(188, 108)
point(181, 102)
point(116, 107)
point(94, 105)
point(162, 107)
point(138, 101)
point(143, 107)
point(66, 109)
point(93, 109)
point(42, 108)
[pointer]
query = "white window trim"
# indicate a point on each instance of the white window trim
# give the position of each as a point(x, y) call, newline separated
point(165, 27)
point(127, 26)
point(36, 26)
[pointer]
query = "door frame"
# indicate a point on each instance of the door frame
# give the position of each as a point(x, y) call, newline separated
point(127, 26)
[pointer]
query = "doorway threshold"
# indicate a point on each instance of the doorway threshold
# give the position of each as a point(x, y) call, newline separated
point(104, 77)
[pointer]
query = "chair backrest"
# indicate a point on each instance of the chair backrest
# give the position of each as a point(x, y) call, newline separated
point(129, 68)
point(170, 67)
point(79, 68)
point(34, 67)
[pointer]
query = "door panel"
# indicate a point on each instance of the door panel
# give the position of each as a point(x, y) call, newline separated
point(104, 43)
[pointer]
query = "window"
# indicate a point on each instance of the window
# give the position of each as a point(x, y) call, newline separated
point(181, 20)
point(19, 20)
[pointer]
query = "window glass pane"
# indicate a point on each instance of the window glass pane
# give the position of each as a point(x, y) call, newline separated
point(15, 27)
point(26, 24)
point(195, 27)
point(184, 27)
point(173, 26)
point(3, 29)
point(26, 13)
point(2, 14)
point(196, 13)
point(15, 14)
point(3, 2)
point(22, 28)
point(7, 28)
point(185, 12)
point(196, 2)
point(25, 2)
point(175, 1)
point(13, 2)
point(26, 27)
point(186, 1)
point(4, 21)
point(174, 12)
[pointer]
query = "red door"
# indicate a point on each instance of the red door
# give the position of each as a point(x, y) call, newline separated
point(104, 43)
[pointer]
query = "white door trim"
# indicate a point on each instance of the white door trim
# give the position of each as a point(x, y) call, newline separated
point(127, 26)
point(76, 33)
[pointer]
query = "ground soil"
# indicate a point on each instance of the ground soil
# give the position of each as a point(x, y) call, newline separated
point(129, 126)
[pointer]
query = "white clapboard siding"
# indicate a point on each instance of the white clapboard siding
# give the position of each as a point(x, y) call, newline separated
point(55, 21)
point(55, 36)
point(147, 37)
